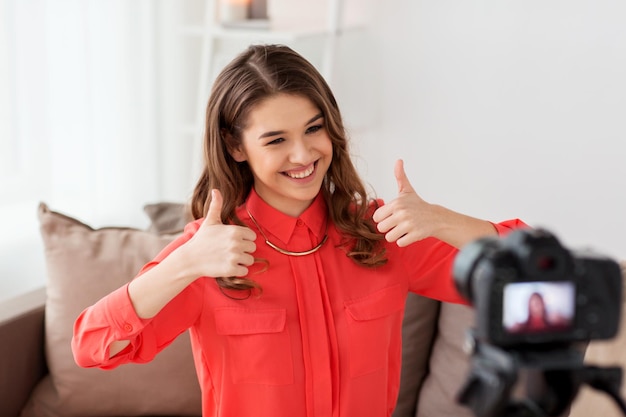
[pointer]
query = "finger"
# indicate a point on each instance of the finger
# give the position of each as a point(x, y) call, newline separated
point(406, 240)
point(404, 185)
point(382, 213)
point(248, 246)
point(246, 260)
point(395, 234)
point(385, 225)
point(239, 271)
point(248, 234)
point(214, 214)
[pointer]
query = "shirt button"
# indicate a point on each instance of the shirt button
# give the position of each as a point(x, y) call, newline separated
point(300, 222)
point(128, 327)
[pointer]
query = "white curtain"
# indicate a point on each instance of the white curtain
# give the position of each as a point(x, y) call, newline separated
point(78, 121)
point(85, 104)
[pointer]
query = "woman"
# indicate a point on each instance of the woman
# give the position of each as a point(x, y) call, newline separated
point(539, 319)
point(291, 280)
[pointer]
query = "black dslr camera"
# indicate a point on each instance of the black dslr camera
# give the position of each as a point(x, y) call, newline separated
point(535, 303)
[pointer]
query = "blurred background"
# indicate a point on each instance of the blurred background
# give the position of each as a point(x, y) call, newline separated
point(499, 108)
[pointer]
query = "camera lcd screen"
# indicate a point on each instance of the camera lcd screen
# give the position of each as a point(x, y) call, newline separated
point(538, 307)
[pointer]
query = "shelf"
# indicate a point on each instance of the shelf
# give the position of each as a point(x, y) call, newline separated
point(242, 32)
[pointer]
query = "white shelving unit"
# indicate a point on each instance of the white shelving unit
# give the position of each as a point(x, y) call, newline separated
point(212, 33)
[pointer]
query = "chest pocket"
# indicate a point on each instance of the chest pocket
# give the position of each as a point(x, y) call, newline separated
point(374, 323)
point(259, 347)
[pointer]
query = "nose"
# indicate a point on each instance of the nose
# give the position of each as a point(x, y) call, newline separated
point(301, 152)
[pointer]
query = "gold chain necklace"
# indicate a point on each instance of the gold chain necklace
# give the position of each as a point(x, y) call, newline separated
point(285, 251)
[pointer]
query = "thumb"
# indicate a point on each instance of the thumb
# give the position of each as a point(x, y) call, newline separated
point(214, 214)
point(404, 185)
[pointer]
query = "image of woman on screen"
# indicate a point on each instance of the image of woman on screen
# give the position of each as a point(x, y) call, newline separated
point(539, 317)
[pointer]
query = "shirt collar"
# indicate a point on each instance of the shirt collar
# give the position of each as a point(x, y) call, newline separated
point(282, 225)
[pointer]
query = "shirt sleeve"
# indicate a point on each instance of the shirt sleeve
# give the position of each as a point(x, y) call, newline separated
point(430, 262)
point(113, 318)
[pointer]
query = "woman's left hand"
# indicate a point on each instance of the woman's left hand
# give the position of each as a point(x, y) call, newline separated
point(408, 218)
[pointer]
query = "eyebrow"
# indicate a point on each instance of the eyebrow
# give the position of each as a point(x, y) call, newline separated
point(280, 132)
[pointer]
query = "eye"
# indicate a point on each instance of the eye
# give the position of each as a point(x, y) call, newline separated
point(314, 129)
point(276, 141)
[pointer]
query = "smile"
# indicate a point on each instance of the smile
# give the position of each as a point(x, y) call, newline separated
point(308, 171)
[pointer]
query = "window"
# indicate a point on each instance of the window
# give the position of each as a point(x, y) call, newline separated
point(78, 121)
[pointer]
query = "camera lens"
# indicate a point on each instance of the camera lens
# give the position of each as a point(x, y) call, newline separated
point(546, 263)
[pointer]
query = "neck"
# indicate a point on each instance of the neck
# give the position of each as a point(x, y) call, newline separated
point(292, 208)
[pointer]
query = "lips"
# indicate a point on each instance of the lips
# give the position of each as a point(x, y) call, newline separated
point(301, 173)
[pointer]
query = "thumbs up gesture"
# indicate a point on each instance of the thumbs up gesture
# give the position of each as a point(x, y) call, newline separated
point(407, 218)
point(217, 249)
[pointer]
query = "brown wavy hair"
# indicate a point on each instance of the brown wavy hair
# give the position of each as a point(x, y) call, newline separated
point(262, 71)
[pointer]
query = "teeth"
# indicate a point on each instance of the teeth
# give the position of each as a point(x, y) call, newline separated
point(302, 174)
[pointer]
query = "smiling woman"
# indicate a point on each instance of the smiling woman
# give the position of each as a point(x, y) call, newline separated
point(291, 280)
point(288, 164)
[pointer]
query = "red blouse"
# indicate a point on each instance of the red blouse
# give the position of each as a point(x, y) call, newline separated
point(323, 339)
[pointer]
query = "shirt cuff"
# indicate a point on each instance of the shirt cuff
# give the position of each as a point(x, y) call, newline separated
point(124, 321)
point(507, 226)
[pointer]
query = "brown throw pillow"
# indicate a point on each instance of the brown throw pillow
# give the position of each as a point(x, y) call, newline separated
point(168, 217)
point(418, 329)
point(449, 365)
point(83, 265)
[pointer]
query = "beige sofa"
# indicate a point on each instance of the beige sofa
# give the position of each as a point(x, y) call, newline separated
point(38, 377)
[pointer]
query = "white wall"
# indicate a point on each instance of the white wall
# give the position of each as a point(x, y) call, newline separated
point(500, 109)
point(507, 109)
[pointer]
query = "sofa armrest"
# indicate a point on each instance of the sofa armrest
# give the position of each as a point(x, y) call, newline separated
point(22, 360)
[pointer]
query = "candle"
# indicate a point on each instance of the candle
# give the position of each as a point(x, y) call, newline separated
point(258, 9)
point(233, 10)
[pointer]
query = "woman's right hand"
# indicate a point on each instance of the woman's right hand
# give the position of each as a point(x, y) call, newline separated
point(217, 249)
